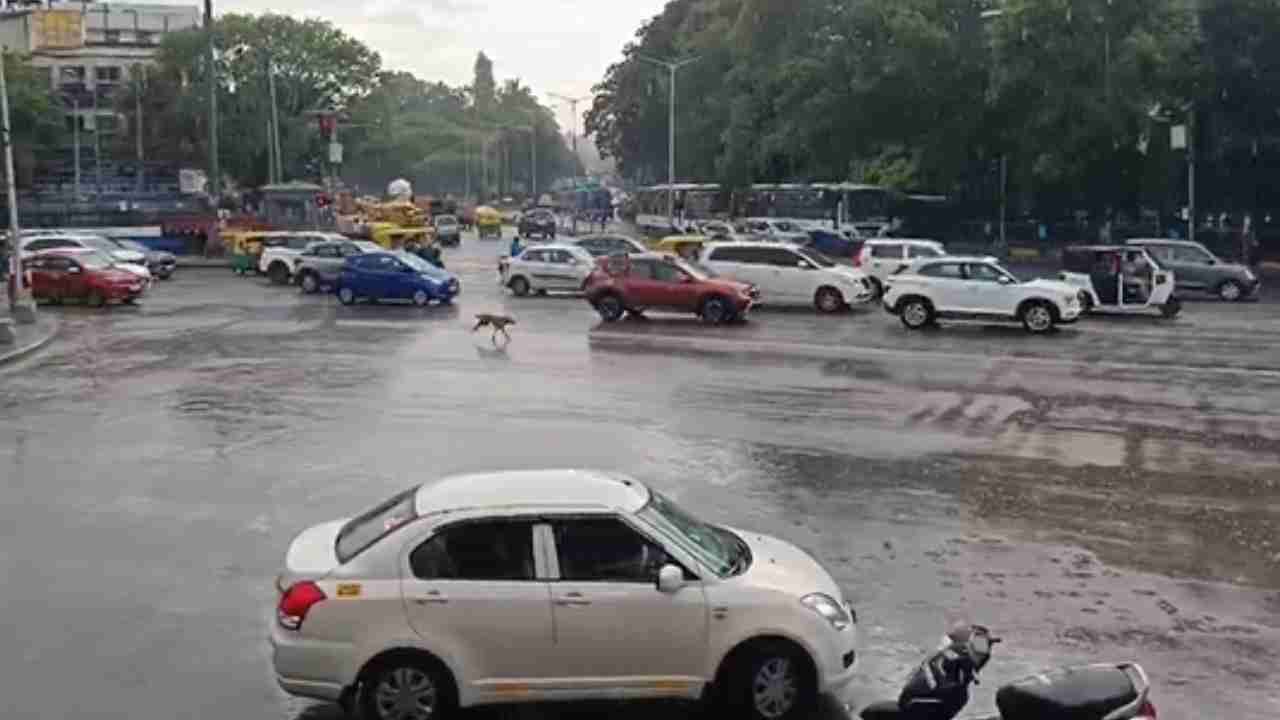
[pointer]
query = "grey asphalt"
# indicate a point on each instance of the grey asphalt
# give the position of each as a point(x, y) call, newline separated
point(1107, 493)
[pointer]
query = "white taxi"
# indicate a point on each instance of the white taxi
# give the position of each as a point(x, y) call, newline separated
point(548, 586)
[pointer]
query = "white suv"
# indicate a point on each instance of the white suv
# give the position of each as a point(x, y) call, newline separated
point(977, 288)
point(882, 257)
point(553, 585)
point(788, 275)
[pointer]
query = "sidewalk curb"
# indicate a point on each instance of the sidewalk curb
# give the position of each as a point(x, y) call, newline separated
point(21, 351)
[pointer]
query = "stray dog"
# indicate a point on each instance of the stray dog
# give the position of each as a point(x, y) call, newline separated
point(499, 324)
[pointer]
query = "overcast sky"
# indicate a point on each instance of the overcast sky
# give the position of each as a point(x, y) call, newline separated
point(560, 46)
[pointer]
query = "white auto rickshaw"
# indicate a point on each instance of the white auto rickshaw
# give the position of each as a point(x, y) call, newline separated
point(1119, 280)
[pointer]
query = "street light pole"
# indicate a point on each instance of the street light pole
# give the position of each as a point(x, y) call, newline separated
point(672, 67)
point(573, 108)
point(24, 309)
point(214, 170)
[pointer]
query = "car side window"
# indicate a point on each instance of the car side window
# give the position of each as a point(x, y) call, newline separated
point(942, 270)
point(641, 269)
point(349, 250)
point(486, 550)
point(887, 252)
point(664, 272)
point(921, 251)
point(561, 257)
point(782, 257)
point(1190, 255)
point(984, 273)
point(606, 550)
point(726, 254)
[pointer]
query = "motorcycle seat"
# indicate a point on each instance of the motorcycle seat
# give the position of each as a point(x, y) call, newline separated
point(885, 710)
point(1079, 693)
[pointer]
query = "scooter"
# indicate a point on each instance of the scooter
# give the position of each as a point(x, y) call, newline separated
point(939, 688)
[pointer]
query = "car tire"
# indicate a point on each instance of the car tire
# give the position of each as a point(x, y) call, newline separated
point(716, 310)
point(770, 680)
point(519, 286)
point(916, 313)
point(1230, 291)
point(1037, 317)
point(130, 301)
point(421, 298)
point(309, 282)
point(346, 296)
point(1171, 308)
point(407, 680)
point(95, 299)
point(279, 273)
point(828, 300)
point(610, 307)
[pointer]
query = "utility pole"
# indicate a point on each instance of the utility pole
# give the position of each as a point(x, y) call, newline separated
point(573, 108)
point(24, 308)
point(75, 138)
point(533, 149)
point(275, 123)
point(672, 67)
point(137, 108)
point(97, 145)
point(1191, 173)
point(215, 171)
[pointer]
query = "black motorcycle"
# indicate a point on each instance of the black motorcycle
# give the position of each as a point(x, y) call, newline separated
point(939, 688)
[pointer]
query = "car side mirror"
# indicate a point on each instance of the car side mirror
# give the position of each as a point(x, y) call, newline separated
point(1211, 261)
point(670, 579)
point(1005, 280)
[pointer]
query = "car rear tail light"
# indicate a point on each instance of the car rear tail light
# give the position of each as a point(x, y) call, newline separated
point(1146, 712)
point(857, 259)
point(296, 602)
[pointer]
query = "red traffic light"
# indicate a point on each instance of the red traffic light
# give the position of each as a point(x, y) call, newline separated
point(328, 123)
point(323, 200)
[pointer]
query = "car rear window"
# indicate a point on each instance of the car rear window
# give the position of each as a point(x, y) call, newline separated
point(366, 530)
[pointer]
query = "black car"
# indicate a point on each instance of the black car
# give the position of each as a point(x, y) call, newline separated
point(161, 263)
point(538, 222)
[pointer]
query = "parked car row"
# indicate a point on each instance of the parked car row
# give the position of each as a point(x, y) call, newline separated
point(93, 269)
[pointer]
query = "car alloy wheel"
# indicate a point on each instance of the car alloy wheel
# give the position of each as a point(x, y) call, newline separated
point(406, 693)
point(1037, 318)
point(421, 298)
point(309, 283)
point(519, 286)
point(346, 296)
point(915, 314)
point(1230, 291)
point(610, 308)
point(828, 300)
point(715, 310)
point(1171, 308)
point(775, 688)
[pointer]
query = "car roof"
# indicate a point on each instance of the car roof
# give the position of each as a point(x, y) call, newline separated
point(901, 241)
point(751, 244)
point(983, 259)
point(568, 489)
point(1095, 248)
point(67, 251)
point(555, 246)
point(1162, 241)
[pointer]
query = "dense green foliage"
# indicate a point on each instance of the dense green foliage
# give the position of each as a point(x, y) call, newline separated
point(394, 124)
point(1078, 95)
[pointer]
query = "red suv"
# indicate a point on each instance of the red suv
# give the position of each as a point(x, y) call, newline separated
point(81, 274)
point(636, 283)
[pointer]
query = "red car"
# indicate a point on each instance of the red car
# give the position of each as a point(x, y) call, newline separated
point(636, 283)
point(81, 274)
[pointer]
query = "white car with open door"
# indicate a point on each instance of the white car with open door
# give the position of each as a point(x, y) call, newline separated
point(977, 288)
point(552, 586)
point(788, 275)
point(546, 268)
point(1120, 280)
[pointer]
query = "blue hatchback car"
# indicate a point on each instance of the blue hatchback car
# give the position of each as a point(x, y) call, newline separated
point(395, 276)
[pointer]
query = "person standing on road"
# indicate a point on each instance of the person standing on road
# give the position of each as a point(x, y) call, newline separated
point(515, 245)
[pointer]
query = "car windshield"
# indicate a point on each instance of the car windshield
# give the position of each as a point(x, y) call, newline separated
point(815, 257)
point(133, 245)
point(446, 221)
point(99, 243)
point(375, 524)
point(420, 265)
point(365, 246)
point(721, 551)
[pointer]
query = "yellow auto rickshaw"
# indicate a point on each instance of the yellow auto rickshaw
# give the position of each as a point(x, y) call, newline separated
point(685, 246)
point(245, 247)
point(488, 222)
point(396, 237)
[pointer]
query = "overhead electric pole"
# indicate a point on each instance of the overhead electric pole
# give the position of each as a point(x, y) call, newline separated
point(672, 67)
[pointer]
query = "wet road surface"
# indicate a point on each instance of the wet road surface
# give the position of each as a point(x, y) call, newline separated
point(1108, 493)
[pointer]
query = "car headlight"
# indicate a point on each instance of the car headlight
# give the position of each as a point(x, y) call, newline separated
point(830, 610)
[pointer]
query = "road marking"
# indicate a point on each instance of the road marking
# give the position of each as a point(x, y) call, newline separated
point(740, 347)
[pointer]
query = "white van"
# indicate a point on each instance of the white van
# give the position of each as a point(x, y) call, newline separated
point(882, 257)
point(788, 275)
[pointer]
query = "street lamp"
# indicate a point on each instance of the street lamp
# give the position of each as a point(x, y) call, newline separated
point(672, 67)
point(137, 99)
point(573, 108)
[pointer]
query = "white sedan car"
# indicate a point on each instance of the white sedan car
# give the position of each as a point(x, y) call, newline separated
point(544, 268)
point(548, 586)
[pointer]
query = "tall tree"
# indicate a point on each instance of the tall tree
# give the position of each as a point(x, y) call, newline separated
point(484, 88)
point(35, 113)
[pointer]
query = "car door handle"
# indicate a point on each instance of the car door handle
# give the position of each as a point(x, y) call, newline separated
point(432, 598)
point(573, 599)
